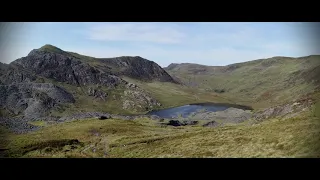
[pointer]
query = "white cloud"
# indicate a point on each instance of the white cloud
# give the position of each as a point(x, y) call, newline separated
point(135, 32)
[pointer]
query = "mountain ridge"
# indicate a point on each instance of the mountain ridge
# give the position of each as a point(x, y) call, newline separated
point(96, 80)
point(255, 60)
point(263, 82)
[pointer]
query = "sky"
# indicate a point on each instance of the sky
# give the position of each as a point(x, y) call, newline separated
point(208, 43)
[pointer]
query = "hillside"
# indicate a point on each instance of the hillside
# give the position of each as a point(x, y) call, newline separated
point(260, 83)
point(55, 103)
point(95, 84)
point(144, 138)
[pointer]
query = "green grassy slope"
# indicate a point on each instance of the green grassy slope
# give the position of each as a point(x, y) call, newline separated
point(260, 83)
point(294, 137)
point(171, 95)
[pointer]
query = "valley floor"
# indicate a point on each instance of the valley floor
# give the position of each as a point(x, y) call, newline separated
point(112, 138)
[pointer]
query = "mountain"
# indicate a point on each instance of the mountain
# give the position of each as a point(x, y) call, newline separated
point(90, 83)
point(95, 107)
point(260, 83)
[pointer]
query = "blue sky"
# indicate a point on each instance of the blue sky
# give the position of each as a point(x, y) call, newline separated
point(165, 43)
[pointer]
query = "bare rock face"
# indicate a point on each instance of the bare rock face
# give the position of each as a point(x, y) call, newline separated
point(15, 74)
point(17, 124)
point(99, 94)
point(32, 99)
point(136, 98)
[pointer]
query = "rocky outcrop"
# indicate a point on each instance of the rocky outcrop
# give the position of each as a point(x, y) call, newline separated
point(14, 74)
point(138, 68)
point(284, 111)
point(32, 99)
point(174, 123)
point(97, 93)
point(182, 123)
point(136, 98)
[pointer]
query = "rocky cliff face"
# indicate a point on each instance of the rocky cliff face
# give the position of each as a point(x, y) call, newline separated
point(15, 74)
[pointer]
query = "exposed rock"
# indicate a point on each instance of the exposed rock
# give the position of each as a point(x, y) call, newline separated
point(175, 123)
point(286, 110)
point(97, 93)
point(24, 92)
point(131, 85)
point(15, 74)
point(212, 124)
point(32, 99)
point(52, 63)
point(127, 104)
point(17, 124)
point(138, 99)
